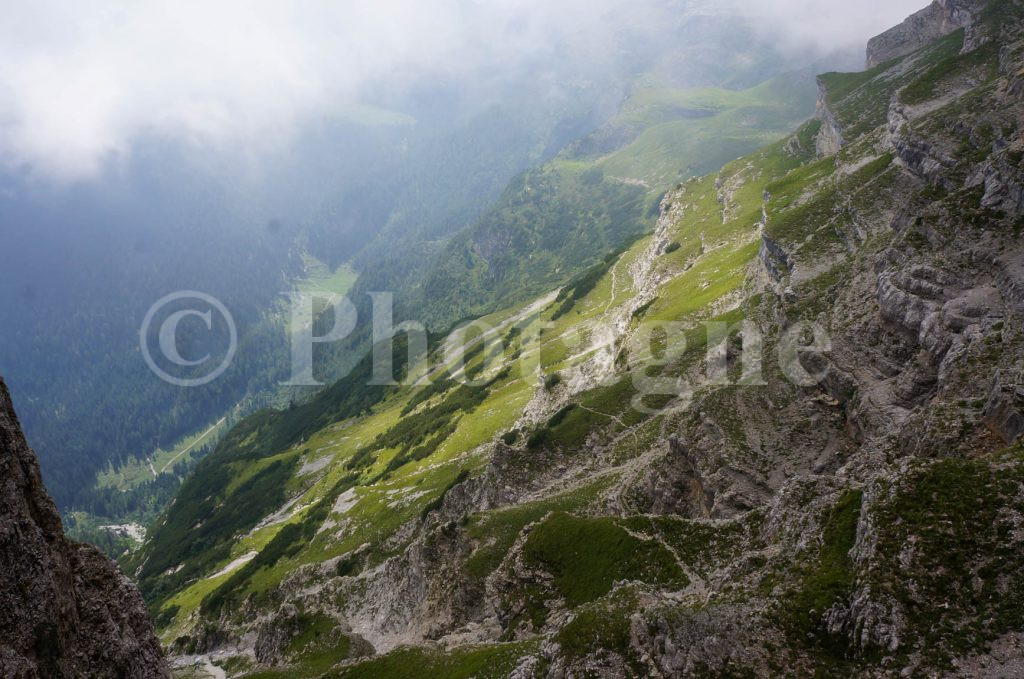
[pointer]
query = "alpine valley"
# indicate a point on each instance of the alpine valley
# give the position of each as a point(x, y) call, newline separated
point(754, 419)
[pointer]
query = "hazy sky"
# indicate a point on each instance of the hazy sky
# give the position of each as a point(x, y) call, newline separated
point(79, 80)
point(828, 23)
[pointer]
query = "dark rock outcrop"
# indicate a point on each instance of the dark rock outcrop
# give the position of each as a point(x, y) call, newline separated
point(673, 486)
point(65, 609)
point(1003, 410)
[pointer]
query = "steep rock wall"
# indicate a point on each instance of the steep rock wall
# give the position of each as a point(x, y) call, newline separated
point(940, 18)
point(829, 140)
point(65, 609)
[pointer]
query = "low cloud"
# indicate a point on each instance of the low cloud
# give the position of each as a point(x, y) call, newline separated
point(80, 81)
point(827, 24)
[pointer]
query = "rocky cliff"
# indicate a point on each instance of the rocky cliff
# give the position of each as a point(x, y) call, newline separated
point(830, 136)
point(65, 609)
point(940, 18)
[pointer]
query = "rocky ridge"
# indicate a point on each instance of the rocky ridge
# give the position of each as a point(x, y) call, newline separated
point(940, 18)
point(67, 611)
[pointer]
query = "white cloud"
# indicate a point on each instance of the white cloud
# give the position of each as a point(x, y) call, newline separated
point(79, 81)
point(828, 24)
point(77, 84)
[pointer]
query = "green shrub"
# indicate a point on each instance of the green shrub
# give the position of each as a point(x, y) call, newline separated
point(288, 541)
point(558, 417)
point(429, 427)
point(165, 616)
point(597, 628)
point(476, 662)
point(349, 566)
point(538, 438)
point(829, 579)
point(642, 309)
point(587, 555)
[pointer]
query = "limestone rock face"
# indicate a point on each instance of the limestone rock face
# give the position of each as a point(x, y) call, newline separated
point(65, 609)
point(940, 18)
point(830, 139)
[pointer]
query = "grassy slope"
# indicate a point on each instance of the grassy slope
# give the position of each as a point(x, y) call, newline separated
point(674, 146)
point(707, 266)
point(714, 249)
point(712, 244)
point(561, 219)
point(320, 278)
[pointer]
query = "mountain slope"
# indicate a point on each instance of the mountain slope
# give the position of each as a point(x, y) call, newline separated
point(626, 490)
point(67, 611)
point(602, 191)
point(383, 185)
